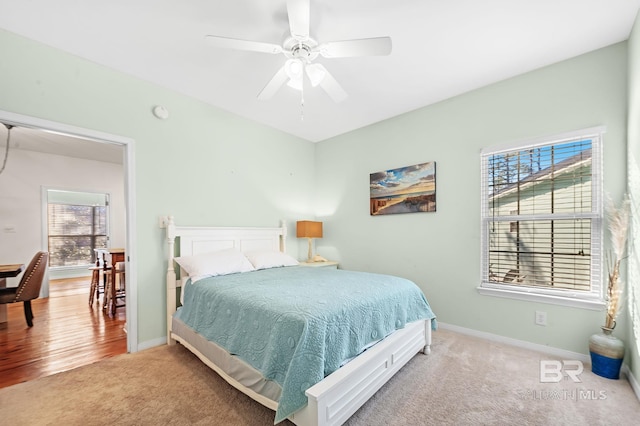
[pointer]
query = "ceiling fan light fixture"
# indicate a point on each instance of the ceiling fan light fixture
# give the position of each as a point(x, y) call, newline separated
point(300, 50)
point(316, 74)
point(295, 84)
point(294, 69)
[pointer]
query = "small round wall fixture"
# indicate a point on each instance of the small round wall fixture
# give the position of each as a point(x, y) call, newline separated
point(160, 112)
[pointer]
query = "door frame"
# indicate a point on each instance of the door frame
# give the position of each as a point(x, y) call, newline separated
point(131, 307)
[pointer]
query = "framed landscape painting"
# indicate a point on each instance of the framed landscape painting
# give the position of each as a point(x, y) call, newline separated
point(408, 189)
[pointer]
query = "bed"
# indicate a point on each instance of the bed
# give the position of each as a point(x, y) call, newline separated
point(293, 358)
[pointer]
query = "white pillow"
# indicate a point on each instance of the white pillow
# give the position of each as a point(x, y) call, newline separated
point(264, 259)
point(221, 262)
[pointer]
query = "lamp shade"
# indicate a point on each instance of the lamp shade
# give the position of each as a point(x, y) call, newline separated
point(308, 229)
point(316, 73)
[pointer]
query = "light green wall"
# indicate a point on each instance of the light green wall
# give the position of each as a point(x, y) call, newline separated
point(221, 176)
point(441, 251)
point(202, 165)
point(633, 336)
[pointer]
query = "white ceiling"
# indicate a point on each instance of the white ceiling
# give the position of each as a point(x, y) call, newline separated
point(440, 48)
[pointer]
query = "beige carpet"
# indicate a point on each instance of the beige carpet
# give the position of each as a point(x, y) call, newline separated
point(464, 381)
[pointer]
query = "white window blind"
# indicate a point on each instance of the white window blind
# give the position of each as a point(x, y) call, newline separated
point(542, 217)
point(77, 224)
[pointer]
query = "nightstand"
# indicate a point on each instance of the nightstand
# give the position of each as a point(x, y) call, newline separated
point(327, 264)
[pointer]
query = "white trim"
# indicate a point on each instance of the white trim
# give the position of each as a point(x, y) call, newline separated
point(539, 296)
point(148, 344)
point(131, 270)
point(561, 353)
point(550, 139)
point(130, 200)
point(632, 380)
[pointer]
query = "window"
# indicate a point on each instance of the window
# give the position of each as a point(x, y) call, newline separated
point(542, 220)
point(77, 224)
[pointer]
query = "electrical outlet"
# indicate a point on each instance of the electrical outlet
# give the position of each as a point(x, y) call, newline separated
point(541, 318)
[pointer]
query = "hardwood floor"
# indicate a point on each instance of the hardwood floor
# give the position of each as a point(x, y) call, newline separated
point(66, 333)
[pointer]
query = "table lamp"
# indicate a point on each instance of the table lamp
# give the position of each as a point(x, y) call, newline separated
point(308, 229)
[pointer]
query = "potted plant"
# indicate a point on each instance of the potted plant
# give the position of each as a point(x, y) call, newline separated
point(606, 350)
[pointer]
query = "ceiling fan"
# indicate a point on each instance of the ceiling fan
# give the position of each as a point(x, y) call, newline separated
point(301, 50)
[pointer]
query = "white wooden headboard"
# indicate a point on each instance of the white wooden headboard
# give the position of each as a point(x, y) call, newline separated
point(198, 240)
point(204, 240)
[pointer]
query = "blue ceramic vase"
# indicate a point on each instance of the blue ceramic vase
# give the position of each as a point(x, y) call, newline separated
point(607, 353)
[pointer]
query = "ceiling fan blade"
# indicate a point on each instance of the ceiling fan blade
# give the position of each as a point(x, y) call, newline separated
point(274, 84)
point(331, 86)
point(298, 11)
point(238, 44)
point(377, 46)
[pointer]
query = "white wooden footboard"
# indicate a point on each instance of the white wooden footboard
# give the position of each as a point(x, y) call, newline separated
point(333, 400)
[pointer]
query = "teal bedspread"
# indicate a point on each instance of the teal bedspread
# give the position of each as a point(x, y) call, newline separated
point(296, 325)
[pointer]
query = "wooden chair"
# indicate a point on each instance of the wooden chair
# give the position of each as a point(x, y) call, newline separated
point(98, 281)
point(111, 293)
point(29, 287)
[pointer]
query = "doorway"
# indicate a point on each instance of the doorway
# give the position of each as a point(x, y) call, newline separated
point(96, 140)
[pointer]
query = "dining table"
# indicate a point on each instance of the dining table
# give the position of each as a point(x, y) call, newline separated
point(8, 271)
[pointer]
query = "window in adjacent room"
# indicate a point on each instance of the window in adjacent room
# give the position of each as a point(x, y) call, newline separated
point(77, 224)
point(542, 220)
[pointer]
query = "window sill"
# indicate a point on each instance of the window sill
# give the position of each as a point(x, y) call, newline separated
point(595, 305)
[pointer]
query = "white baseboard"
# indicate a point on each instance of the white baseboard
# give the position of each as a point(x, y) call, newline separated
point(152, 343)
point(560, 353)
point(632, 380)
